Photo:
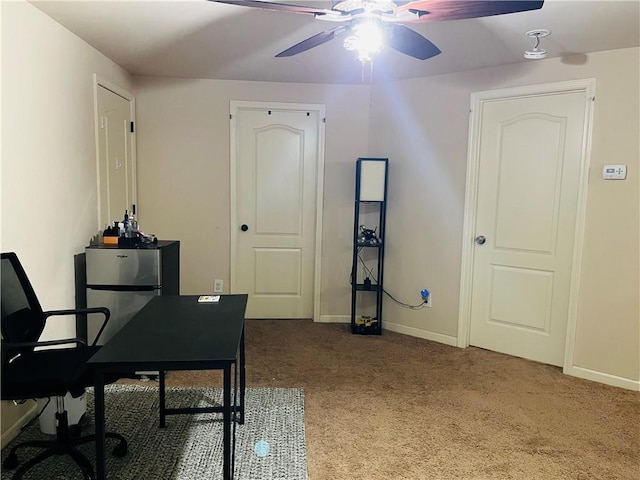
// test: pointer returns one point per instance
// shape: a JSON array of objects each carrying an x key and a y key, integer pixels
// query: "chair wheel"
[
  {"x": 120, "y": 450},
  {"x": 10, "y": 462},
  {"x": 88, "y": 475}
]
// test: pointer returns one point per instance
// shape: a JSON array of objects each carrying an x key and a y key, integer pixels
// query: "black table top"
[{"x": 173, "y": 332}]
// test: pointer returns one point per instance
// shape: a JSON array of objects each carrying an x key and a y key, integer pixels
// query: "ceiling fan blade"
[
  {"x": 411, "y": 43},
  {"x": 441, "y": 10},
  {"x": 311, "y": 42},
  {"x": 282, "y": 7}
]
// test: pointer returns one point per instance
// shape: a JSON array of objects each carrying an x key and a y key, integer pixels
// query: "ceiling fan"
[{"x": 370, "y": 24}]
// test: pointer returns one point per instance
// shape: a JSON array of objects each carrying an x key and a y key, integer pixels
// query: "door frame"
[
  {"x": 478, "y": 99},
  {"x": 234, "y": 107},
  {"x": 98, "y": 82}
]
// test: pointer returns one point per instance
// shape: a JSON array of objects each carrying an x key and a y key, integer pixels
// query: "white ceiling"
[{"x": 203, "y": 39}]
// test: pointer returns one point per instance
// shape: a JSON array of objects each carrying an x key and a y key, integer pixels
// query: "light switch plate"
[{"x": 614, "y": 172}]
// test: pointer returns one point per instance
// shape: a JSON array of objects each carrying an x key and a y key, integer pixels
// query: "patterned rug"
[{"x": 270, "y": 445}]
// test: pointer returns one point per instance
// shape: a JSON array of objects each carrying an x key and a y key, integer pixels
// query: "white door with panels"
[
  {"x": 530, "y": 160},
  {"x": 276, "y": 194},
  {"x": 116, "y": 162}
]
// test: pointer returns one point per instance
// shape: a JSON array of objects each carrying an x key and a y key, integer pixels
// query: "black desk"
[{"x": 178, "y": 333}]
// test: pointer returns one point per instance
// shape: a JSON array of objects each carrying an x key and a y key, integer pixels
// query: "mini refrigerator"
[{"x": 125, "y": 279}]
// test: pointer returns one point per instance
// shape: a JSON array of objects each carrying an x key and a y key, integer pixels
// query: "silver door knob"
[{"x": 480, "y": 239}]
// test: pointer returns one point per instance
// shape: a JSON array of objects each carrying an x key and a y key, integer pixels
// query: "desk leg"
[
  {"x": 243, "y": 379},
  {"x": 98, "y": 394},
  {"x": 227, "y": 473},
  {"x": 161, "y": 391}
]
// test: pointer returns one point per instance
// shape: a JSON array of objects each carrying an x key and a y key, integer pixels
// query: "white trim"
[
  {"x": 398, "y": 328},
  {"x": 419, "y": 333},
  {"x": 96, "y": 83},
  {"x": 602, "y": 377},
  {"x": 99, "y": 81},
  {"x": 317, "y": 281},
  {"x": 578, "y": 245},
  {"x": 477, "y": 101},
  {"x": 468, "y": 227},
  {"x": 334, "y": 319},
  {"x": 233, "y": 196},
  {"x": 236, "y": 105},
  {"x": 13, "y": 431}
]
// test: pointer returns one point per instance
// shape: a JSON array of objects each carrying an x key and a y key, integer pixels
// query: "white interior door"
[
  {"x": 531, "y": 151},
  {"x": 116, "y": 164},
  {"x": 276, "y": 156}
]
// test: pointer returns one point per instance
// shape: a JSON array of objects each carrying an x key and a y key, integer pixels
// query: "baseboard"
[
  {"x": 574, "y": 371},
  {"x": 335, "y": 319},
  {"x": 13, "y": 431},
  {"x": 419, "y": 333},
  {"x": 396, "y": 327},
  {"x": 605, "y": 378}
]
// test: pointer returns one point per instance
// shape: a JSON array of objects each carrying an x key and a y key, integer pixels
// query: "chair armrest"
[
  {"x": 7, "y": 346},
  {"x": 46, "y": 343},
  {"x": 103, "y": 310}
]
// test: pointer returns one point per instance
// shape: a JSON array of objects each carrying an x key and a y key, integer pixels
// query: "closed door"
[
  {"x": 277, "y": 154},
  {"x": 116, "y": 165},
  {"x": 530, "y": 160}
]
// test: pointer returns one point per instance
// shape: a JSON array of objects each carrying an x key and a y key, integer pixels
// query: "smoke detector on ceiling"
[{"x": 536, "y": 53}]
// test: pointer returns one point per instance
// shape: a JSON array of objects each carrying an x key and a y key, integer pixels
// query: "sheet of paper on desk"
[{"x": 208, "y": 298}]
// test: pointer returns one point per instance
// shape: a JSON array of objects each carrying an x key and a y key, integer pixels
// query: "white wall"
[
  {"x": 183, "y": 172},
  {"x": 422, "y": 125},
  {"x": 48, "y": 170}
]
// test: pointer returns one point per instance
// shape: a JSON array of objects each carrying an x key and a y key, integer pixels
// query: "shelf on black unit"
[
  {"x": 369, "y": 224},
  {"x": 378, "y": 245}
]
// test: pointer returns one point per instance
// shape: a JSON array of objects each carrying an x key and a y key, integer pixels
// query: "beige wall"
[
  {"x": 48, "y": 170},
  {"x": 183, "y": 172},
  {"x": 422, "y": 125}
]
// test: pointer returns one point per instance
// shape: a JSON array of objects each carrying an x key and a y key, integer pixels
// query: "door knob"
[
  {"x": 244, "y": 227},
  {"x": 480, "y": 239}
]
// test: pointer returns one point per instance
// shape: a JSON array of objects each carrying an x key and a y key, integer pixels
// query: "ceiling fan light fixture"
[
  {"x": 536, "y": 53},
  {"x": 366, "y": 5},
  {"x": 367, "y": 39},
  {"x": 368, "y": 24}
]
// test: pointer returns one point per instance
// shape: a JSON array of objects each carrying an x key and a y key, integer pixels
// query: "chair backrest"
[{"x": 21, "y": 314}]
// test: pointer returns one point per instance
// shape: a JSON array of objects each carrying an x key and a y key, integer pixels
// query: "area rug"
[{"x": 270, "y": 444}]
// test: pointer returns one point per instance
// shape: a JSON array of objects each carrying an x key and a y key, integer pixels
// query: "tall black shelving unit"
[{"x": 368, "y": 240}]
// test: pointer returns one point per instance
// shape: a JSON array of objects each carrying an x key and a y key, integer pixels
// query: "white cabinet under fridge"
[{"x": 125, "y": 279}]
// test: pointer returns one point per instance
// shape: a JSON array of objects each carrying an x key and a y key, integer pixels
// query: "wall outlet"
[
  {"x": 426, "y": 297},
  {"x": 218, "y": 285}
]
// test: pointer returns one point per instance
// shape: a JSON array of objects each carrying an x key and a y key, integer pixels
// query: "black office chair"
[{"x": 29, "y": 372}]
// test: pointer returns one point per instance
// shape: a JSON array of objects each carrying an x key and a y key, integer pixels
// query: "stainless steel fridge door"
[
  {"x": 124, "y": 267},
  {"x": 123, "y": 304}
]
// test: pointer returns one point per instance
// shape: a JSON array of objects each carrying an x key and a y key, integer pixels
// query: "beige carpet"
[{"x": 398, "y": 407}]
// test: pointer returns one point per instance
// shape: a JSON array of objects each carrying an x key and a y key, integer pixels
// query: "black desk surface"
[{"x": 173, "y": 332}]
